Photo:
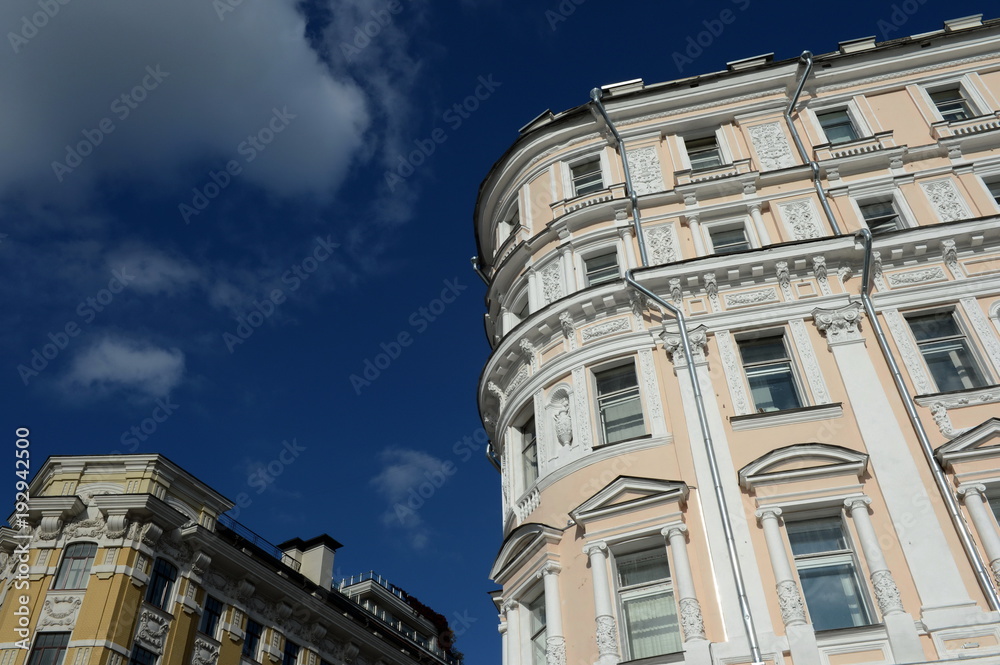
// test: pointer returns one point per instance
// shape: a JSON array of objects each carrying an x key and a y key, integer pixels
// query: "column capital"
[
  {"x": 840, "y": 325},
  {"x": 508, "y": 606},
  {"x": 668, "y": 531},
  {"x": 965, "y": 489},
  {"x": 691, "y": 217},
  {"x": 596, "y": 547},
  {"x": 625, "y": 231},
  {"x": 753, "y": 206},
  {"x": 855, "y": 502},
  {"x": 766, "y": 512},
  {"x": 674, "y": 345},
  {"x": 548, "y": 568},
  {"x": 502, "y": 628}
]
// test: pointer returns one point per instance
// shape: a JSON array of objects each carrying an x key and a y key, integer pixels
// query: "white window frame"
[
  {"x": 861, "y": 125},
  {"x": 720, "y": 139},
  {"x": 518, "y": 303},
  {"x": 633, "y": 546},
  {"x": 977, "y": 104},
  {"x": 534, "y": 595},
  {"x": 594, "y": 251},
  {"x": 987, "y": 178},
  {"x": 723, "y": 224},
  {"x": 517, "y": 441},
  {"x": 505, "y": 227},
  {"x": 569, "y": 190},
  {"x": 596, "y": 401},
  {"x": 887, "y": 191},
  {"x": 794, "y": 363},
  {"x": 972, "y": 343}
]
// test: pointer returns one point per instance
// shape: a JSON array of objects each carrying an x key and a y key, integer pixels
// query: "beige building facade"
[
  {"x": 743, "y": 391},
  {"x": 119, "y": 559}
]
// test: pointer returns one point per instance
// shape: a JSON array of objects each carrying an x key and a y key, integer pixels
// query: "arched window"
[{"x": 75, "y": 567}]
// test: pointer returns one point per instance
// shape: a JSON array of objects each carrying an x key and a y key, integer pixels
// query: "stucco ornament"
[
  {"x": 152, "y": 630},
  {"x": 691, "y": 619},
  {"x": 801, "y": 219},
  {"x": 552, "y": 288},
  {"x": 555, "y": 650},
  {"x": 841, "y": 324},
  {"x": 560, "y": 406},
  {"x": 790, "y": 601},
  {"x": 674, "y": 346},
  {"x": 60, "y": 611},
  {"x": 607, "y": 636},
  {"x": 886, "y": 592},
  {"x": 204, "y": 652},
  {"x": 771, "y": 146},
  {"x": 947, "y": 202},
  {"x": 644, "y": 166},
  {"x": 660, "y": 241}
]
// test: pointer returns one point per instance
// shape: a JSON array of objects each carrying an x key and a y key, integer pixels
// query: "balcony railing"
[
  {"x": 256, "y": 541},
  {"x": 377, "y": 579}
]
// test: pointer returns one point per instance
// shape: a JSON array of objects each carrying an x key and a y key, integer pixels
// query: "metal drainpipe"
[
  {"x": 727, "y": 527},
  {"x": 491, "y": 455},
  {"x": 925, "y": 445},
  {"x": 807, "y": 59},
  {"x": 475, "y": 266}
]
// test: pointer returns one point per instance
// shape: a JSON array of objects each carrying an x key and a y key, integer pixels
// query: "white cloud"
[
  {"x": 122, "y": 365},
  {"x": 407, "y": 480},
  {"x": 153, "y": 272}
]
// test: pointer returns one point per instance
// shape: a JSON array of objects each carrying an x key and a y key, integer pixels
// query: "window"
[
  {"x": 946, "y": 351},
  {"x": 619, "y": 404},
  {"x": 161, "y": 583},
  {"x": 828, "y": 573},
  {"x": 729, "y": 239},
  {"x": 536, "y": 629},
  {"x": 142, "y": 656},
  {"x": 838, "y": 126},
  {"x": 601, "y": 268},
  {"x": 647, "y": 601},
  {"x": 291, "y": 653},
  {"x": 49, "y": 649},
  {"x": 994, "y": 189},
  {"x": 994, "y": 502},
  {"x": 880, "y": 216},
  {"x": 587, "y": 177},
  {"x": 210, "y": 616},
  {"x": 703, "y": 152},
  {"x": 75, "y": 567},
  {"x": 951, "y": 103},
  {"x": 529, "y": 452},
  {"x": 769, "y": 373},
  {"x": 251, "y": 642}
]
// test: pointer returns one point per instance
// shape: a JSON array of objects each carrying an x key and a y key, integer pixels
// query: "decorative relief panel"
[
  {"x": 933, "y": 274},
  {"x": 152, "y": 631},
  {"x": 946, "y": 200},
  {"x": 748, "y": 298},
  {"x": 552, "y": 287},
  {"x": 605, "y": 328},
  {"x": 652, "y": 390},
  {"x": 810, "y": 365},
  {"x": 204, "y": 652},
  {"x": 661, "y": 243},
  {"x": 734, "y": 372},
  {"x": 582, "y": 410},
  {"x": 914, "y": 362},
  {"x": 983, "y": 330},
  {"x": 771, "y": 146},
  {"x": 60, "y": 610},
  {"x": 560, "y": 408},
  {"x": 644, "y": 167},
  {"x": 801, "y": 219}
]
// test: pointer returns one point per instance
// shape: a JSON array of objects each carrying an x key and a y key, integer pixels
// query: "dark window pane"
[
  {"x": 951, "y": 104},
  {"x": 252, "y": 639},
  {"x": 643, "y": 567},
  {"x": 142, "y": 656},
  {"x": 832, "y": 596},
  {"x": 838, "y": 126},
  {"x": 880, "y": 216},
  {"x": 814, "y": 536},
  {"x": 587, "y": 177},
  {"x": 603, "y": 268},
  {"x": 49, "y": 649},
  {"x": 703, "y": 153},
  {"x": 729, "y": 240},
  {"x": 210, "y": 616},
  {"x": 75, "y": 567},
  {"x": 762, "y": 350},
  {"x": 161, "y": 583}
]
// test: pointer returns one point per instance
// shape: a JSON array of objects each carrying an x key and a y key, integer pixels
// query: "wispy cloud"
[
  {"x": 407, "y": 479},
  {"x": 137, "y": 369}
]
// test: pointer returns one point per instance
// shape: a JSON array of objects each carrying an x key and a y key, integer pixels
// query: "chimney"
[{"x": 315, "y": 557}]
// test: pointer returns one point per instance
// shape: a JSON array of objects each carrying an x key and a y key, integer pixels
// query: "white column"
[
  {"x": 695, "y": 226},
  {"x": 982, "y": 518},
  {"x": 627, "y": 240},
  {"x": 607, "y": 631},
  {"x": 515, "y": 649},
  {"x": 801, "y": 635},
  {"x": 899, "y": 625},
  {"x": 533, "y": 299},
  {"x": 758, "y": 223},
  {"x": 680, "y": 568},
  {"x": 504, "y": 649},
  {"x": 569, "y": 269},
  {"x": 555, "y": 643}
]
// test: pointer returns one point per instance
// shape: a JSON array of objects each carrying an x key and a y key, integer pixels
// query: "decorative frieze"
[
  {"x": 932, "y": 274},
  {"x": 644, "y": 167},
  {"x": 771, "y": 146},
  {"x": 800, "y": 217},
  {"x": 946, "y": 200},
  {"x": 734, "y": 372},
  {"x": 661, "y": 243},
  {"x": 582, "y": 408},
  {"x": 839, "y": 325},
  {"x": 748, "y": 298},
  {"x": 552, "y": 286},
  {"x": 605, "y": 328},
  {"x": 520, "y": 377}
]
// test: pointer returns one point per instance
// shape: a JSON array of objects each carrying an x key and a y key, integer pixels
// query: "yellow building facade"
[{"x": 743, "y": 392}]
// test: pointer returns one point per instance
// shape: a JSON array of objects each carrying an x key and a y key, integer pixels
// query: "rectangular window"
[
  {"x": 729, "y": 239},
  {"x": 251, "y": 642},
  {"x": 647, "y": 600},
  {"x": 161, "y": 583},
  {"x": 828, "y": 572},
  {"x": 49, "y": 649},
  {"x": 703, "y": 153},
  {"x": 946, "y": 351},
  {"x": 587, "y": 177},
  {"x": 142, "y": 656},
  {"x": 769, "y": 373},
  {"x": 880, "y": 216},
  {"x": 994, "y": 188},
  {"x": 529, "y": 452},
  {"x": 600, "y": 269},
  {"x": 837, "y": 126},
  {"x": 536, "y": 629},
  {"x": 210, "y": 616},
  {"x": 995, "y": 506},
  {"x": 291, "y": 653},
  {"x": 619, "y": 404},
  {"x": 74, "y": 571},
  {"x": 951, "y": 103}
]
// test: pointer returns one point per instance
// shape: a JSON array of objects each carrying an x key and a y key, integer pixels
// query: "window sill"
[
  {"x": 958, "y": 398},
  {"x": 803, "y": 414},
  {"x": 859, "y": 146},
  {"x": 943, "y": 129}
]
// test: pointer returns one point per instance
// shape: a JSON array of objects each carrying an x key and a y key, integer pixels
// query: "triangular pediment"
[
  {"x": 626, "y": 493},
  {"x": 802, "y": 460},
  {"x": 980, "y": 442},
  {"x": 520, "y": 545}
]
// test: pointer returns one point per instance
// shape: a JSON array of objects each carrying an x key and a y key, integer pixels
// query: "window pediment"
[
  {"x": 801, "y": 461},
  {"x": 980, "y": 442},
  {"x": 626, "y": 493},
  {"x": 522, "y": 543}
]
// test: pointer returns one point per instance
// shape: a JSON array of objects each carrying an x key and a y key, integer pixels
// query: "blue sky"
[{"x": 215, "y": 213}]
